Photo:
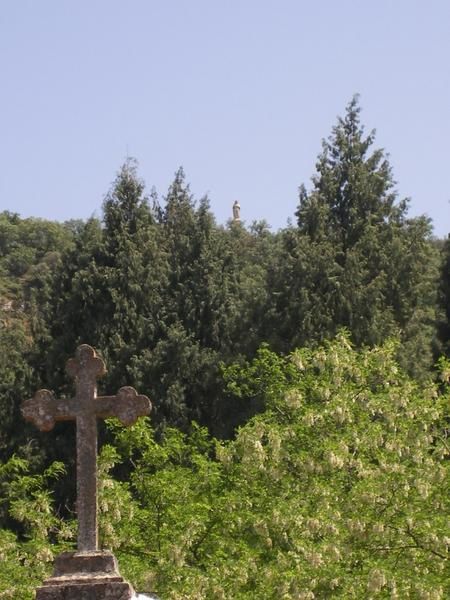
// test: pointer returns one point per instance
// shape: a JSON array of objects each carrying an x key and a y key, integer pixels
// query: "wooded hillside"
[{"x": 298, "y": 446}]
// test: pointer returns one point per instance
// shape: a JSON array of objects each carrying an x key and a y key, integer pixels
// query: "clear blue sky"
[{"x": 239, "y": 92}]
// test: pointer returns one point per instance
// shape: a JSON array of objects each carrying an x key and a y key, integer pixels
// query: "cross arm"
[
  {"x": 44, "y": 410},
  {"x": 127, "y": 406}
]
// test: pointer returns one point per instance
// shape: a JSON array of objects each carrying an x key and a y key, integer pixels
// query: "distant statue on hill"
[{"x": 236, "y": 211}]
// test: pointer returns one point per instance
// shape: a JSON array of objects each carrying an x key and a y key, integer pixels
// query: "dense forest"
[{"x": 298, "y": 444}]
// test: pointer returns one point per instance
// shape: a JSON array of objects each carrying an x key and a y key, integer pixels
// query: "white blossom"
[{"x": 376, "y": 581}]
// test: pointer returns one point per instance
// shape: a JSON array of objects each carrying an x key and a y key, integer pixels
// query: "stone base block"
[
  {"x": 86, "y": 591},
  {"x": 85, "y": 576}
]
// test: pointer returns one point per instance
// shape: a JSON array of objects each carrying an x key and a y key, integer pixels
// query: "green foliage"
[
  {"x": 339, "y": 488},
  {"x": 30, "y": 252},
  {"x": 26, "y": 500},
  {"x": 444, "y": 298},
  {"x": 16, "y": 381},
  {"x": 24, "y": 243},
  {"x": 356, "y": 455}
]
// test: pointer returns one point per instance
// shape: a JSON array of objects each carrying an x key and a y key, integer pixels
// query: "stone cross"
[{"x": 85, "y": 408}]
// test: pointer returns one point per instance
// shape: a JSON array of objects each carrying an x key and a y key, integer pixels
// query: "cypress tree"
[
  {"x": 355, "y": 259},
  {"x": 108, "y": 290}
]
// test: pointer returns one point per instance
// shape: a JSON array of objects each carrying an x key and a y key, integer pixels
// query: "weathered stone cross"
[{"x": 44, "y": 410}]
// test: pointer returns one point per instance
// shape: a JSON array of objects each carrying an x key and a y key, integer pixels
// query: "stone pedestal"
[{"x": 85, "y": 576}]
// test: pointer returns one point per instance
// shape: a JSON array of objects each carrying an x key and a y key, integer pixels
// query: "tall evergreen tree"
[
  {"x": 198, "y": 311},
  {"x": 355, "y": 260},
  {"x": 108, "y": 290}
]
